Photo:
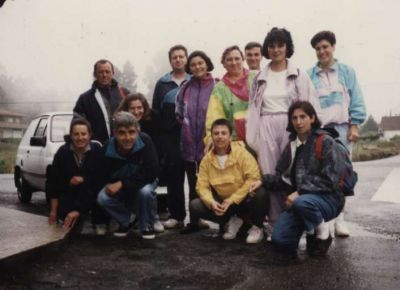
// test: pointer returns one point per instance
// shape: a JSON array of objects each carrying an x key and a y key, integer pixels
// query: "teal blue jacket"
[{"x": 347, "y": 78}]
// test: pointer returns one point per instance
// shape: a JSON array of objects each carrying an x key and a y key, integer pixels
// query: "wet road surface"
[{"x": 369, "y": 259}]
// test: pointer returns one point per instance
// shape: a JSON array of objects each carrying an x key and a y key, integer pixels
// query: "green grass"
[
  {"x": 372, "y": 150},
  {"x": 8, "y": 151}
]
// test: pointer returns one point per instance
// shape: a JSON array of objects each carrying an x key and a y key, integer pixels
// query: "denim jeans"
[
  {"x": 306, "y": 213},
  {"x": 343, "y": 130},
  {"x": 144, "y": 204}
]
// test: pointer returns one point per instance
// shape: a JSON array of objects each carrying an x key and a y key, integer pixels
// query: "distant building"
[
  {"x": 390, "y": 126},
  {"x": 11, "y": 124}
]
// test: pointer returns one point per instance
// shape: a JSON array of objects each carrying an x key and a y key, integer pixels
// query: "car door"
[{"x": 34, "y": 168}]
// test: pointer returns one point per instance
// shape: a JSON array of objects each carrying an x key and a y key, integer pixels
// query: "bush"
[
  {"x": 3, "y": 167},
  {"x": 395, "y": 138}
]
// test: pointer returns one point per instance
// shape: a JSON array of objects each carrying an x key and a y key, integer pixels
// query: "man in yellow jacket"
[{"x": 223, "y": 186}]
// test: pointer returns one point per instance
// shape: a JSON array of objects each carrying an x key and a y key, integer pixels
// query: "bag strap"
[{"x": 318, "y": 146}]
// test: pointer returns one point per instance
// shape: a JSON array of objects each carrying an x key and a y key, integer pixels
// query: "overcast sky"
[{"x": 54, "y": 43}]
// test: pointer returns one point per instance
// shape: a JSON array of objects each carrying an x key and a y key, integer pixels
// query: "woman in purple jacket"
[{"x": 191, "y": 108}]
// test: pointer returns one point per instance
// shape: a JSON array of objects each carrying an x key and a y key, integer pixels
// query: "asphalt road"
[{"x": 369, "y": 259}]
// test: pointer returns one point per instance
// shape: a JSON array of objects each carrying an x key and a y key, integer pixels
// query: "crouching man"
[
  {"x": 223, "y": 184},
  {"x": 130, "y": 170}
]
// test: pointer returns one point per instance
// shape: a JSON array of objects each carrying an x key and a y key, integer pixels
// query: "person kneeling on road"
[
  {"x": 223, "y": 184},
  {"x": 311, "y": 184},
  {"x": 130, "y": 170},
  {"x": 71, "y": 181}
]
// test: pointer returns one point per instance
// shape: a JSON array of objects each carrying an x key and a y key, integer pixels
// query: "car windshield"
[{"x": 60, "y": 127}]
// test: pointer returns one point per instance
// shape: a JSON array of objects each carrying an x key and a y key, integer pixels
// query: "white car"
[{"x": 45, "y": 134}]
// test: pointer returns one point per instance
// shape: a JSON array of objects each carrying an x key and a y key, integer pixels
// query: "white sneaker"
[
  {"x": 158, "y": 227},
  {"x": 203, "y": 224},
  {"x": 172, "y": 224},
  {"x": 341, "y": 229},
  {"x": 100, "y": 229},
  {"x": 255, "y": 235},
  {"x": 233, "y": 227},
  {"x": 268, "y": 229}
]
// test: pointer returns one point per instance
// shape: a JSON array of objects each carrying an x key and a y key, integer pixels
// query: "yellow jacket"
[{"x": 233, "y": 181}]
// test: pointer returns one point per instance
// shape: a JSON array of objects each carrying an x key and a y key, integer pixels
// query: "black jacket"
[
  {"x": 136, "y": 170},
  {"x": 81, "y": 197},
  {"x": 87, "y": 107}
]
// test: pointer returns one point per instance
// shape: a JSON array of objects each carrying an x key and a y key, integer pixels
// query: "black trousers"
[
  {"x": 256, "y": 207},
  {"x": 67, "y": 204},
  {"x": 191, "y": 169},
  {"x": 175, "y": 177}
]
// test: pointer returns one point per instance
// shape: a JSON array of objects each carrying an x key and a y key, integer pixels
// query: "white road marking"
[{"x": 389, "y": 189}]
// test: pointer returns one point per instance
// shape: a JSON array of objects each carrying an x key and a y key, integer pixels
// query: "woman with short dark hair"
[
  {"x": 191, "y": 108},
  {"x": 276, "y": 87},
  {"x": 310, "y": 183},
  {"x": 340, "y": 96},
  {"x": 72, "y": 179}
]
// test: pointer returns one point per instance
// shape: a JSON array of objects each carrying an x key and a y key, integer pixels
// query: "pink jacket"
[{"x": 299, "y": 86}]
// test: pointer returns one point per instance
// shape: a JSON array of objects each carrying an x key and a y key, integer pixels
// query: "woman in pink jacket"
[{"x": 275, "y": 88}]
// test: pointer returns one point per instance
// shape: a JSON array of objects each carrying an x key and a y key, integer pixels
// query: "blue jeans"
[
  {"x": 144, "y": 203},
  {"x": 307, "y": 212},
  {"x": 343, "y": 130}
]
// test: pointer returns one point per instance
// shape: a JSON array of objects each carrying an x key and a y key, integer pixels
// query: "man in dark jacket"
[
  {"x": 100, "y": 102},
  {"x": 130, "y": 169},
  {"x": 164, "y": 103}
]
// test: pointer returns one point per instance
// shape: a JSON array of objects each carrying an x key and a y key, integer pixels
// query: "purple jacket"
[{"x": 191, "y": 109}]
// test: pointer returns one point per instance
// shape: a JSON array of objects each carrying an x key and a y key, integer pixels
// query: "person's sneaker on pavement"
[
  {"x": 173, "y": 224},
  {"x": 122, "y": 231},
  {"x": 158, "y": 227},
  {"x": 319, "y": 247},
  {"x": 233, "y": 227},
  {"x": 268, "y": 229},
  {"x": 255, "y": 235},
  {"x": 341, "y": 229},
  {"x": 100, "y": 229},
  {"x": 148, "y": 234},
  {"x": 203, "y": 224}
]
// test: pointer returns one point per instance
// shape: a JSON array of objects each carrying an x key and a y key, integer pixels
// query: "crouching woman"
[
  {"x": 310, "y": 182},
  {"x": 71, "y": 181}
]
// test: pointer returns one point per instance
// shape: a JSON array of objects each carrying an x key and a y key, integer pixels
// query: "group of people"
[{"x": 246, "y": 143}]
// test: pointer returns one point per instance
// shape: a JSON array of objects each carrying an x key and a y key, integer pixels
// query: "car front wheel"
[{"x": 24, "y": 191}]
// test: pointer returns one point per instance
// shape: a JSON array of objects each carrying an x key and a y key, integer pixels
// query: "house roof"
[
  {"x": 10, "y": 114},
  {"x": 390, "y": 123}
]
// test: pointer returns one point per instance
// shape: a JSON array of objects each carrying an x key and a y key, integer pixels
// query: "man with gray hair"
[{"x": 130, "y": 170}]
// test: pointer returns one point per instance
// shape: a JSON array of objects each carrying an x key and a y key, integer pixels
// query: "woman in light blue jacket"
[{"x": 340, "y": 97}]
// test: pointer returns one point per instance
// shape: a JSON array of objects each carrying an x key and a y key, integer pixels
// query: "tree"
[
  {"x": 370, "y": 126},
  {"x": 127, "y": 77}
]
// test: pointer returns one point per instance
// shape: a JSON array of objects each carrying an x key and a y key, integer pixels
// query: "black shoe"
[
  {"x": 122, "y": 231},
  {"x": 189, "y": 229},
  {"x": 321, "y": 247},
  {"x": 310, "y": 243},
  {"x": 148, "y": 234}
]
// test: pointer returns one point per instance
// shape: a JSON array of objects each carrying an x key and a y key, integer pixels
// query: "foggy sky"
[{"x": 54, "y": 43}]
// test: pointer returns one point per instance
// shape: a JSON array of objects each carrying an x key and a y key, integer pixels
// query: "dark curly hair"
[
  {"x": 308, "y": 109},
  {"x": 204, "y": 56},
  {"x": 323, "y": 35},
  {"x": 124, "y": 106},
  {"x": 279, "y": 35}
]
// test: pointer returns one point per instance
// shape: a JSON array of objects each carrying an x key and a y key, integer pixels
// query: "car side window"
[{"x": 41, "y": 128}]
